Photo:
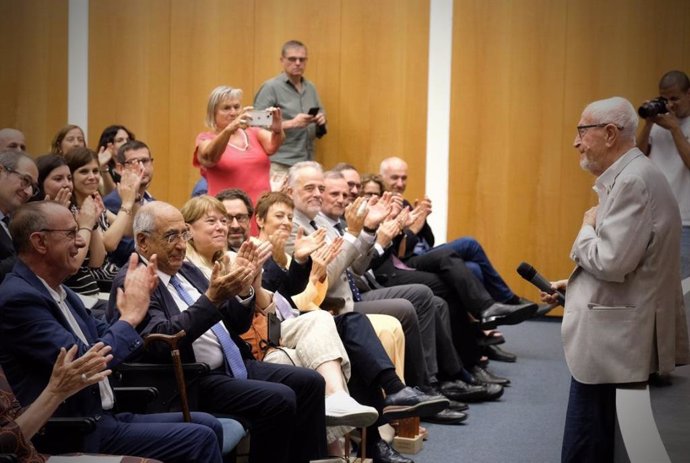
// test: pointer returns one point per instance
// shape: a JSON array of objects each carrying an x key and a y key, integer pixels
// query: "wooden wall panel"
[
  {"x": 33, "y": 81},
  {"x": 129, "y": 77},
  {"x": 212, "y": 43},
  {"x": 384, "y": 73},
  {"x": 522, "y": 73}
]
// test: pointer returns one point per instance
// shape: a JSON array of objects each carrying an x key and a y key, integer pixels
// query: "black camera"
[{"x": 653, "y": 108}]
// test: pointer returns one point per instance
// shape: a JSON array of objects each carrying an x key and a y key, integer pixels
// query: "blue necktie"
[{"x": 233, "y": 356}]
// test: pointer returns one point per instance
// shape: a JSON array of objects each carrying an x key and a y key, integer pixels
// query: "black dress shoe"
[
  {"x": 458, "y": 406},
  {"x": 446, "y": 416},
  {"x": 463, "y": 392},
  {"x": 384, "y": 453},
  {"x": 412, "y": 402},
  {"x": 496, "y": 353},
  {"x": 507, "y": 314},
  {"x": 483, "y": 376}
]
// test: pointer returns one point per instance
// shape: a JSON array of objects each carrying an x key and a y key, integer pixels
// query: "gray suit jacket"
[
  {"x": 624, "y": 316},
  {"x": 357, "y": 254}
]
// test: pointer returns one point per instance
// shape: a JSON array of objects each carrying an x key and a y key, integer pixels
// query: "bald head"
[
  {"x": 12, "y": 139},
  {"x": 393, "y": 170}
]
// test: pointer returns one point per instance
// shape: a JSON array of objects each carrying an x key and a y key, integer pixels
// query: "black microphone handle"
[{"x": 539, "y": 281}]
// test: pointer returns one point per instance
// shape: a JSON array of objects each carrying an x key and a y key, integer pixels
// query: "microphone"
[{"x": 530, "y": 274}]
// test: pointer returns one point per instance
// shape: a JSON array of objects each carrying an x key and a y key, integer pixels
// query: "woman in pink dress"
[{"x": 235, "y": 153}]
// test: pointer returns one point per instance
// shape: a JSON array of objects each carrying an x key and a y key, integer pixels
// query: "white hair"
[
  {"x": 293, "y": 173},
  {"x": 615, "y": 110}
]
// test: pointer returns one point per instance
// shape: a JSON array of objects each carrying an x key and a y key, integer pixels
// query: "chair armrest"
[
  {"x": 162, "y": 378},
  {"x": 64, "y": 434},
  {"x": 134, "y": 399},
  {"x": 80, "y": 424},
  {"x": 193, "y": 369}
]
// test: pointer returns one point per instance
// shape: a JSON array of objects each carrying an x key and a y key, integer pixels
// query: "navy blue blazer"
[
  {"x": 33, "y": 329},
  {"x": 165, "y": 317}
]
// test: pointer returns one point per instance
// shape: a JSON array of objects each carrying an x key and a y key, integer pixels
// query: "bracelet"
[
  {"x": 126, "y": 210},
  {"x": 84, "y": 228},
  {"x": 370, "y": 230}
]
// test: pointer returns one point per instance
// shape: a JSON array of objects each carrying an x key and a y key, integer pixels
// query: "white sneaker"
[{"x": 341, "y": 409}]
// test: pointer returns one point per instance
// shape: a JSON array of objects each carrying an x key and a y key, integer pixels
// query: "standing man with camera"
[
  {"x": 303, "y": 116},
  {"x": 665, "y": 138}
]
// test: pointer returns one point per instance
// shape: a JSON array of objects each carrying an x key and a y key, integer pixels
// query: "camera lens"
[{"x": 653, "y": 108}]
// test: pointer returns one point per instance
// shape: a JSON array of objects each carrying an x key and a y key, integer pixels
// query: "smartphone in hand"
[
  {"x": 260, "y": 118},
  {"x": 313, "y": 111}
]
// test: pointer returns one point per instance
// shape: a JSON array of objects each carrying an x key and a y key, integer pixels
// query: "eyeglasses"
[
  {"x": 354, "y": 185},
  {"x": 70, "y": 233},
  {"x": 294, "y": 59},
  {"x": 241, "y": 218},
  {"x": 173, "y": 237},
  {"x": 581, "y": 129},
  {"x": 25, "y": 181},
  {"x": 143, "y": 161}
]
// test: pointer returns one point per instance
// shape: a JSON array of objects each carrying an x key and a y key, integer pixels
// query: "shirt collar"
[
  {"x": 328, "y": 219},
  {"x": 604, "y": 183},
  {"x": 163, "y": 278},
  {"x": 58, "y": 296}
]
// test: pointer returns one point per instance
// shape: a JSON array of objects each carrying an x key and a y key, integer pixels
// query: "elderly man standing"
[
  {"x": 283, "y": 405},
  {"x": 624, "y": 316},
  {"x": 303, "y": 115}
]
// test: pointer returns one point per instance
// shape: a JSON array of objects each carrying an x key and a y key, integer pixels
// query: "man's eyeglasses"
[
  {"x": 241, "y": 218},
  {"x": 70, "y": 233},
  {"x": 143, "y": 161},
  {"x": 25, "y": 181},
  {"x": 294, "y": 59},
  {"x": 581, "y": 129},
  {"x": 173, "y": 237}
]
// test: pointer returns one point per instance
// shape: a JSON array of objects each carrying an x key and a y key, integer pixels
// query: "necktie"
[
  {"x": 313, "y": 224},
  {"x": 6, "y": 221},
  {"x": 283, "y": 306},
  {"x": 233, "y": 356},
  {"x": 400, "y": 265},
  {"x": 356, "y": 295}
]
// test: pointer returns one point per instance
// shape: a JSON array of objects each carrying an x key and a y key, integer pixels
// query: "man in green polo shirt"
[{"x": 303, "y": 116}]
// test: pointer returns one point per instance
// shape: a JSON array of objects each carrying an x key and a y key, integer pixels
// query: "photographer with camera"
[{"x": 665, "y": 139}]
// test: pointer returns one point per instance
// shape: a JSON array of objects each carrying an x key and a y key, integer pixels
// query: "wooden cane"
[{"x": 171, "y": 340}]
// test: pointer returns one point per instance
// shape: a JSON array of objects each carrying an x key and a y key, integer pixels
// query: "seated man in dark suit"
[
  {"x": 283, "y": 405},
  {"x": 131, "y": 155},
  {"x": 39, "y": 316},
  {"x": 18, "y": 177}
]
